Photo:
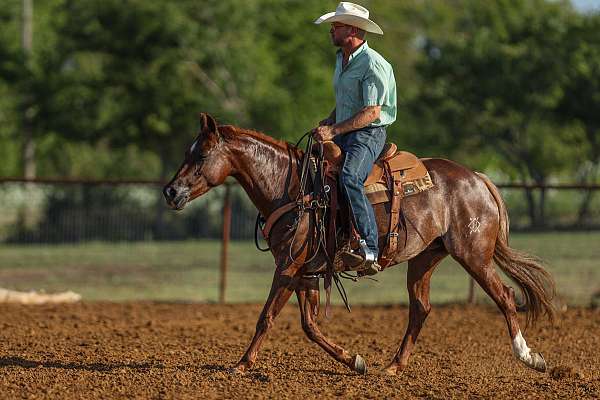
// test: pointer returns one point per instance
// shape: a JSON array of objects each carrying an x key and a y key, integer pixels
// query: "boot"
[{"x": 364, "y": 260}]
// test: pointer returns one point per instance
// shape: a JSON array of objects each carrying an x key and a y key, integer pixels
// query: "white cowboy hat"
[{"x": 351, "y": 14}]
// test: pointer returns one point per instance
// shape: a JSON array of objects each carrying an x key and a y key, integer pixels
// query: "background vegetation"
[{"x": 111, "y": 89}]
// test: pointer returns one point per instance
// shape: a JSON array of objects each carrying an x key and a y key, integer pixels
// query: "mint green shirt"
[{"x": 366, "y": 80}]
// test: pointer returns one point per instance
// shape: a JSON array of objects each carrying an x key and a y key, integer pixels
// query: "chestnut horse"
[{"x": 462, "y": 215}]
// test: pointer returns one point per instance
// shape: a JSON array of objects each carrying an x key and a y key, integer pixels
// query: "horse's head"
[{"x": 205, "y": 166}]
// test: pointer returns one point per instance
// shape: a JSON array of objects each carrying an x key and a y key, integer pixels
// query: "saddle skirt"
[
  {"x": 395, "y": 175},
  {"x": 404, "y": 168},
  {"x": 391, "y": 166}
]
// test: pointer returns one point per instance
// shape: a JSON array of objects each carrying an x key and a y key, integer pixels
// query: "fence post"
[
  {"x": 225, "y": 242},
  {"x": 471, "y": 297}
]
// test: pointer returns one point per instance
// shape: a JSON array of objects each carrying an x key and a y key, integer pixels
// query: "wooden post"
[
  {"x": 471, "y": 298},
  {"x": 225, "y": 242},
  {"x": 28, "y": 143}
]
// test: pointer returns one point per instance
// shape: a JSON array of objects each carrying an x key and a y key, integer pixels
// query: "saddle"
[{"x": 395, "y": 175}]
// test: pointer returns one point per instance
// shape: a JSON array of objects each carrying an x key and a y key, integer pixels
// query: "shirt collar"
[{"x": 363, "y": 48}]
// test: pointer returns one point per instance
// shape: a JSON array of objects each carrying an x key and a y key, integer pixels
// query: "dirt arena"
[{"x": 155, "y": 351}]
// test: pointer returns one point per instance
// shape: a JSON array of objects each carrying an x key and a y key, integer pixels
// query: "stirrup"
[
  {"x": 370, "y": 266},
  {"x": 368, "y": 255},
  {"x": 365, "y": 261}
]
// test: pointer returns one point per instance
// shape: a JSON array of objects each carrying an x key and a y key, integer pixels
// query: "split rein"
[
  {"x": 260, "y": 220},
  {"x": 317, "y": 202}
]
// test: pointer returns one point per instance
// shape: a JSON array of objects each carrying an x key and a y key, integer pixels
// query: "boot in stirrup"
[{"x": 364, "y": 260}]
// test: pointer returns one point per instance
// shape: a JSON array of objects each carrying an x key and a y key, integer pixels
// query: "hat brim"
[{"x": 359, "y": 22}]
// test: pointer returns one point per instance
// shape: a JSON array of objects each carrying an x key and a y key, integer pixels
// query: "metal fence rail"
[
  {"x": 59, "y": 211},
  {"x": 62, "y": 211},
  {"x": 75, "y": 210}
]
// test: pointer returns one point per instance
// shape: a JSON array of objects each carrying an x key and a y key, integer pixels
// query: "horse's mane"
[{"x": 261, "y": 137}]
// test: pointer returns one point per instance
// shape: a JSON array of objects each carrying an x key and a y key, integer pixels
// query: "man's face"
[{"x": 340, "y": 33}]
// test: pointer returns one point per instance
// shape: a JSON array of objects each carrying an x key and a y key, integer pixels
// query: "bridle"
[{"x": 320, "y": 201}]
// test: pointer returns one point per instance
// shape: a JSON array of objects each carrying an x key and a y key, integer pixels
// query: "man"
[{"x": 365, "y": 104}]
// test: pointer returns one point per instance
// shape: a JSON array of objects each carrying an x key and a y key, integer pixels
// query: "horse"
[{"x": 463, "y": 215}]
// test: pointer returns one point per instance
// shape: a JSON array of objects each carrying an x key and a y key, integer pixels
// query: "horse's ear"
[{"x": 208, "y": 124}]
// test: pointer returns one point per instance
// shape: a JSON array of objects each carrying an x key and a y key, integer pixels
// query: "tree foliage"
[
  {"x": 496, "y": 81},
  {"x": 114, "y": 88}
]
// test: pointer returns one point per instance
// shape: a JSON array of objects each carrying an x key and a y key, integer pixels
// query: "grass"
[{"x": 189, "y": 271}]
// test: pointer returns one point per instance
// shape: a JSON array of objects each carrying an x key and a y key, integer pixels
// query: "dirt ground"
[{"x": 157, "y": 350}]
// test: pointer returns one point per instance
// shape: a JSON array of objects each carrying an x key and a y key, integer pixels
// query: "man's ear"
[{"x": 208, "y": 124}]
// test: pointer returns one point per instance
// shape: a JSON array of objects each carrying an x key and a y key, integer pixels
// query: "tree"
[
  {"x": 581, "y": 99},
  {"x": 495, "y": 81},
  {"x": 32, "y": 81},
  {"x": 12, "y": 63},
  {"x": 9, "y": 61},
  {"x": 303, "y": 59}
]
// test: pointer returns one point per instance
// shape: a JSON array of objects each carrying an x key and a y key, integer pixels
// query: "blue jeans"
[{"x": 361, "y": 147}]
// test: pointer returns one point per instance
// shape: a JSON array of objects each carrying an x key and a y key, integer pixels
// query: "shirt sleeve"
[{"x": 375, "y": 86}]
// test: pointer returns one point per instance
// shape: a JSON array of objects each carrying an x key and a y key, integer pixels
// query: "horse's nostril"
[{"x": 170, "y": 192}]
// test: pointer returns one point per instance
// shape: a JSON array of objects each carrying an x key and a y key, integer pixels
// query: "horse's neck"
[{"x": 266, "y": 171}]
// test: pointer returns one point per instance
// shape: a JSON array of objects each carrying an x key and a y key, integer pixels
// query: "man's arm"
[{"x": 361, "y": 119}]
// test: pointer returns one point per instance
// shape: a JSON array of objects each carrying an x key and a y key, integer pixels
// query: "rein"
[
  {"x": 260, "y": 223},
  {"x": 322, "y": 199},
  {"x": 302, "y": 201}
]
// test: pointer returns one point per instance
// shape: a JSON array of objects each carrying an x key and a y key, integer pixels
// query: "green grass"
[{"x": 189, "y": 271}]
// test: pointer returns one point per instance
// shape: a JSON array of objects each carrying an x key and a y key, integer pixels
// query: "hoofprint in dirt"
[{"x": 157, "y": 350}]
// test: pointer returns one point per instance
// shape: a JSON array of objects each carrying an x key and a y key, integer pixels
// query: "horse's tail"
[{"x": 536, "y": 284}]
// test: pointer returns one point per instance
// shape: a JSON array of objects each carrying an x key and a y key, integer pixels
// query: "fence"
[
  {"x": 59, "y": 211},
  {"x": 66, "y": 211},
  {"x": 82, "y": 211}
]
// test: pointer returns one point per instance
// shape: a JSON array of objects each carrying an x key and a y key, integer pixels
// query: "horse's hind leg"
[
  {"x": 308, "y": 301},
  {"x": 418, "y": 275},
  {"x": 482, "y": 269}
]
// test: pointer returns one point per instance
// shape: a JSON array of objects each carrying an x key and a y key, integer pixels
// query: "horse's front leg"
[
  {"x": 290, "y": 256},
  {"x": 308, "y": 301},
  {"x": 281, "y": 289}
]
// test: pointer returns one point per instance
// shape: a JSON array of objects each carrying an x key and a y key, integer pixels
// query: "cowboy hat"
[{"x": 351, "y": 14}]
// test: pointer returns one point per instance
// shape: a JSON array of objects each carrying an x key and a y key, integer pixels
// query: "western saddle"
[{"x": 395, "y": 175}]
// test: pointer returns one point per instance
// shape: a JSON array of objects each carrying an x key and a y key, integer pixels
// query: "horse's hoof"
[
  {"x": 537, "y": 362},
  {"x": 391, "y": 370},
  {"x": 238, "y": 370},
  {"x": 360, "y": 365}
]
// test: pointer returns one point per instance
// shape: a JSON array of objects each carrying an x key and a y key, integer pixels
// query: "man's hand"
[{"x": 323, "y": 133}]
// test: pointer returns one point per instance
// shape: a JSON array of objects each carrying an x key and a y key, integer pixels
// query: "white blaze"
[{"x": 520, "y": 348}]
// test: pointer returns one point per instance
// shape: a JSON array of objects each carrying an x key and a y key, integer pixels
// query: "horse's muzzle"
[{"x": 176, "y": 198}]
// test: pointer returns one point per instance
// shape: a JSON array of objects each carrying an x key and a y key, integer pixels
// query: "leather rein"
[
  {"x": 321, "y": 200},
  {"x": 316, "y": 201}
]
